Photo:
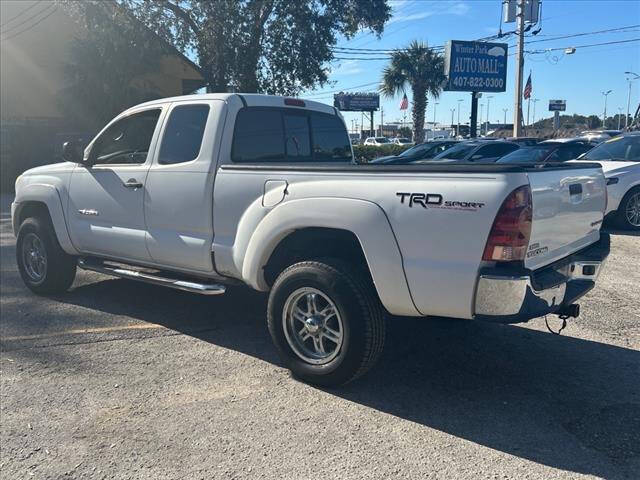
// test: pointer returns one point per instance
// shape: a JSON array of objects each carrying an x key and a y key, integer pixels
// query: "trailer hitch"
[{"x": 565, "y": 312}]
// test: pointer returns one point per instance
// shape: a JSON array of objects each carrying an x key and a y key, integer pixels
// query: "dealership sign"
[
  {"x": 475, "y": 66},
  {"x": 557, "y": 105},
  {"x": 356, "y": 102}
]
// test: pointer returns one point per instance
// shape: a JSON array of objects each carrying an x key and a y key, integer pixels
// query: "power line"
[
  {"x": 583, "y": 34},
  {"x": 32, "y": 25},
  {"x": 28, "y": 19},
  {"x": 341, "y": 89},
  {"x": 582, "y": 46},
  {"x": 20, "y": 13}
]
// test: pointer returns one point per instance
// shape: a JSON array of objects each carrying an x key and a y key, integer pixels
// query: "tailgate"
[{"x": 568, "y": 208}]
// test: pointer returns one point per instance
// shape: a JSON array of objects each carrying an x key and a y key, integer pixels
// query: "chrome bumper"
[{"x": 517, "y": 298}]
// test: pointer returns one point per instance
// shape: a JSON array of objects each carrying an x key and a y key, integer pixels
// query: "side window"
[
  {"x": 127, "y": 141},
  {"x": 297, "y": 139},
  {"x": 183, "y": 134},
  {"x": 258, "y": 136},
  {"x": 330, "y": 139}
]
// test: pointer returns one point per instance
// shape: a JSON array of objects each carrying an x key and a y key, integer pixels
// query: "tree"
[
  {"x": 108, "y": 67},
  {"x": 270, "y": 46},
  {"x": 420, "y": 68}
]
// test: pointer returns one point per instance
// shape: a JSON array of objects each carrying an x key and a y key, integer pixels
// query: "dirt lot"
[{"x": 123, "y": 380}]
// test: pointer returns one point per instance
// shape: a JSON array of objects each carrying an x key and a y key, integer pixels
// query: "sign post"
[
  {"x": 475, "y": 67},
  {"x": 557, "y": 106}
]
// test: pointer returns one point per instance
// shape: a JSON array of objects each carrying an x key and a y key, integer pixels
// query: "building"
[{"x": 35, "y": 40}]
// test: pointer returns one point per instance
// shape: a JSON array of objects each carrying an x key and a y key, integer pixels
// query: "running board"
[{"x": 155, "y": 279}]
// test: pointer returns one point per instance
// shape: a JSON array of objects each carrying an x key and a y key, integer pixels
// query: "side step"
[{"x": 155, "y": 279}]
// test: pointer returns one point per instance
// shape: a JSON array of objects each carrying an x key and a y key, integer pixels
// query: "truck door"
[
  {"x": 179, "y": 192},
  {"x": 106, "y": 214}
]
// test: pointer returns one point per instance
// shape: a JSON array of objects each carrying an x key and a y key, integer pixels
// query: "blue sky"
[{"x": 577, "y": 78}]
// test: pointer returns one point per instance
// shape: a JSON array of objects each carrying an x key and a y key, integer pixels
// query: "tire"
[
  {"x": 37, "y": 240},
  {"x": 358, "y": 321},
  {"x": 624, "y": 215}
]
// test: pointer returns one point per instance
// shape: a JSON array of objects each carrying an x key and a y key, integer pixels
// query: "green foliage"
[
  {"x": 417, "y": 67},
  {"x": 366, "y": 153},
  {"x": 267, "y": 46},
  {"x": 107, "y": 68}
]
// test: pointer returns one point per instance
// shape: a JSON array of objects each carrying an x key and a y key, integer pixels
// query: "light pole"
[
  {"x": 619, "y": 116},
  {"x": 458, "y": 130},
  {"x": 480, "y": 122},
  {"x": 604, "y": 114},
  {"x": 435, "y": 104},
  {"x": 505, "y": 110},
  {"x": 486, "y": 126},
  {"x": 630, "y": 80},
  {"x": 453, "y": 110},
  {"x": 535, "y": 100}
]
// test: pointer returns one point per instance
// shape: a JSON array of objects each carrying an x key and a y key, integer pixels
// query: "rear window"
[{"x": 276, "y": 135}]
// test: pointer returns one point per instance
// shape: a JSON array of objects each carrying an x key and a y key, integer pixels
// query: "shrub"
[{"x": 366, "y": 153}]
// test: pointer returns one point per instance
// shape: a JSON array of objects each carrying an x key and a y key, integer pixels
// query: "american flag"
[
  {"x": 528, "y": 88},
  {"x": 404, "y": 104}
]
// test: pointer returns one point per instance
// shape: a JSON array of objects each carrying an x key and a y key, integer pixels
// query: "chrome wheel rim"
[
  {"x": 633, "y": 210},
  {"x": 34, "y": 257},
  {"x": 313, "y": 326}
]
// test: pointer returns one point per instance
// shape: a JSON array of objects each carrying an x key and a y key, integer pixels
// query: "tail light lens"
[{"x": 511, "y": 230}]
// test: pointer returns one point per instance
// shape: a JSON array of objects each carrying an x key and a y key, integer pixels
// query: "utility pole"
[
  {"x": 435, "y": 104},
  {"x": 517, "y": 114},
  {"x": 630, "y": 80},
  {"x": 453, "y": 110},
  {"x": 535, "y": 100},
  {"x": 604, "y": 114},
  {"x": 473, "y": 128},
  {"x": 381, "y": 122},
  {"x": 480, "y": 120},
  {"x": 505, "y": 110}
]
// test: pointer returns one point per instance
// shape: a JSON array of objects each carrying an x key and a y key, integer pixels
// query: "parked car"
[
  {"x": 598, "y": 136},
  {"x": 475, "y": 151},
  {"x": 620, "y": 160},
  {"x": 401, "y": 141},
  {"x": 547, "y": 152},
  {"x": 377, "y": 141},
  {"x": 419, "y": 152},
  {"x": 523, "y": 141},
  {"x": 204, "y": 191}
]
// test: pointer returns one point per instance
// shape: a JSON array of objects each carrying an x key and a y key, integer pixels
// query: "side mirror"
[{"x": 71, "y": 152}]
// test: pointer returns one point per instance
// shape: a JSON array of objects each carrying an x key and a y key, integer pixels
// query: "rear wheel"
[
  {"x": 326, "y": 322},
  {"x": 629, "y": 210},
  {"x": 43, "y": 265}
]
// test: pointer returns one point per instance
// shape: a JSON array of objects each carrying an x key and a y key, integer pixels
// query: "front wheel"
[
  {"x": 629, "y": 210},
  {"x": 326, "y": 322},
  {"x": 43, "y": 265}
]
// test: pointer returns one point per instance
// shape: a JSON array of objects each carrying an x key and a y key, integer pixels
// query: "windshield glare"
[
  {"x": 458, "y": 152},
  {"x": 415, "y": 150},
  {"x": 527, "y": 155},
  {"x": 624, "y": 149}
]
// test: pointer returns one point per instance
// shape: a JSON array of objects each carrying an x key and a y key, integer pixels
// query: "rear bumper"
[{"x": 513, "y": 296}]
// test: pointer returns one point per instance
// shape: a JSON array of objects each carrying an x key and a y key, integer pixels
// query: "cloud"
[
  {"x": 348, "y": 67},
  {"x": 445, "y": 8}
]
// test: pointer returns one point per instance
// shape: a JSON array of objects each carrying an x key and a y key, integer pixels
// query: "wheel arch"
[
  {"x": 359, "y": 227},
  {"x": 43, "y": 200}
]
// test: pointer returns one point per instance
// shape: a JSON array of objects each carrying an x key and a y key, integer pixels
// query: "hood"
[{"x": 51, "y": 168}]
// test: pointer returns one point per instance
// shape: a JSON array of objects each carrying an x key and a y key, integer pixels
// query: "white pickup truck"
[{"x": 202, "y": 192}]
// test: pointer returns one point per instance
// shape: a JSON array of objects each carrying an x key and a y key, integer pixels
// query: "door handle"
[{"x": 132, "y": 183}]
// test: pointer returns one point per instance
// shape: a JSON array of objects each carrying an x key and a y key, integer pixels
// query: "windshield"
[
  {"x": 528, "y": 154},
  {"x": 418, "y": 149},
  {"x": 382, "y": 140},
  {"x": 622, "y": 149},
  {"x": 459, "y": 152}
]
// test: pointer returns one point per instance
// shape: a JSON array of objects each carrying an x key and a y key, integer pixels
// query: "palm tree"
[{"x": 422, "y": 69}]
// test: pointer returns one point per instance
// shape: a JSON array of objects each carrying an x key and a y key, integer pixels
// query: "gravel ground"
[{"x": 123, "y": 380}]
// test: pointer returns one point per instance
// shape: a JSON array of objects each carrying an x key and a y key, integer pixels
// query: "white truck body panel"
[{"x": 423, "y": 259}]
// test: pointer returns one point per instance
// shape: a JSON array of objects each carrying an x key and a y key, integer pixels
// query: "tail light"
[{"x": 511, "y": 230}]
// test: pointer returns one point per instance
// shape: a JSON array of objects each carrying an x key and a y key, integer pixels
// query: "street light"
[
  {"x": 486, "y": 127},
  {"x": 604, "y": 114},
  {"x": 630, "y": 80},
  {"x": 535, "y": 100},
  {"x": 434, "y": 115},
  {"x": 505, "y": 110},
  {"x": 458, "y": 130},
  {"x": 453, "y": 110}
]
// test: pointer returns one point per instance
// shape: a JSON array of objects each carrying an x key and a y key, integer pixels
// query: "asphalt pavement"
[{"x": 122, "y": 380}]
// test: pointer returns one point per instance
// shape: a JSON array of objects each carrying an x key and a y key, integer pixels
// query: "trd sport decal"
[{"x": 435, "y": 200}]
